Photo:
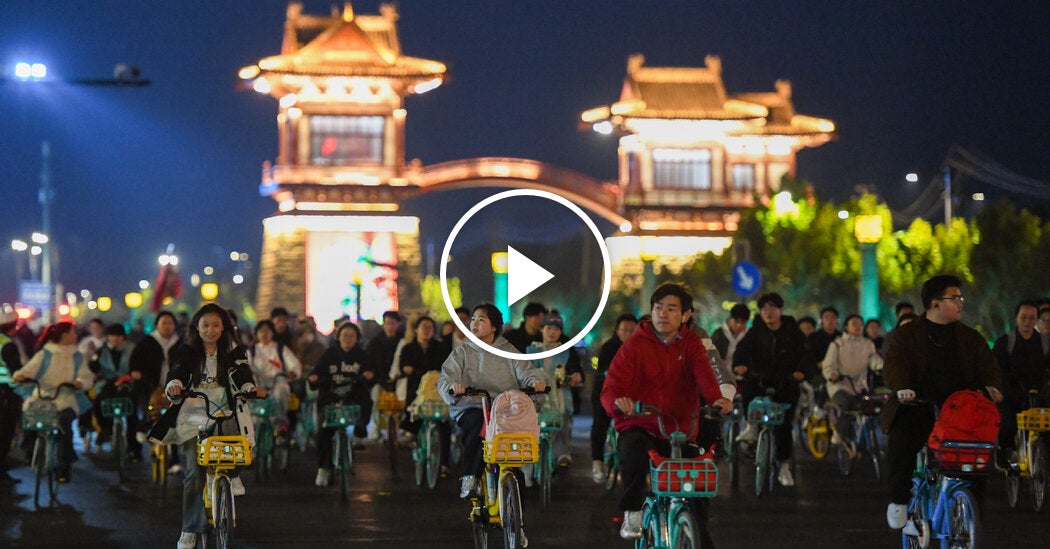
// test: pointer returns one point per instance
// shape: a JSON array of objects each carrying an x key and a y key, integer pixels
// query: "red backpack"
[{"x": 966, "y": 416}]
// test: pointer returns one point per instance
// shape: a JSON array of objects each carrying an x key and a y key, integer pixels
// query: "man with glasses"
[{"x": 929, "y": 359}]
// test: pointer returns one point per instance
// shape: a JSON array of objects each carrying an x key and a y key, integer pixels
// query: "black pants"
[
  {"x": 471, "y": 422},
  {"x": 907, "y": 435},
  {"x": 634, "y": 445},
  {"x": 600, "y": 426},
  {"x": 106, "y": 423},
  {"x": 325, "y": 434}
]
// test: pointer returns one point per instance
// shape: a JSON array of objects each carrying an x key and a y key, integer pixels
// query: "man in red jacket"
[{"x": 663, "y": 364}]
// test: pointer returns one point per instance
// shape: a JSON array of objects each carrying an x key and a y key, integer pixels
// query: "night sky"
[{"x": 179, "y": 161}]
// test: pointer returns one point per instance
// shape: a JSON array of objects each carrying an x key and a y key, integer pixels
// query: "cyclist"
[
  {"x": 61, "y": 362},
  {"x": 846, "y": 366},
  {"x": 929, "y": 359},
  {"x": 471, "y": 365},
  {"x": 772, "y": 352},
  {"x": 341, "y": 375},
  {"x": 269, "y": 357},
  {"x": 562, "y": 372},
  {"x": 423, "y": 354},
  {"x": 150, "y": 361},
  {"x": 665, "y": 364},
  {"x": 1022, "y": 357},
  {"x": 625, "y": 325},
  {"x": 729, "y": 334},
  {"x": 112, "y": 364},
  {"x": 212, "y": 363}
]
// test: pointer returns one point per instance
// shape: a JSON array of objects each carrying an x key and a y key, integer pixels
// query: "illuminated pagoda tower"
[
  {"x": 691, "y": 156},
  {"x": 337, "y": 244}
]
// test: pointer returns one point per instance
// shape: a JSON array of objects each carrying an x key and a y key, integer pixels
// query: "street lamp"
[
  {"x": 648, "y": 256},
  {"x": 499, "y": 279},
  {"x": 868, "y": 230}
]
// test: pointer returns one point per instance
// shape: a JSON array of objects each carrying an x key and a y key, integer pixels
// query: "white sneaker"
[
  {"x": 784, "y": 477},
  {"x": 747, "y": 435},
  {"x": 632, "y": 525},
  {"x": 835, "y": 438},
  {"x": 236, "y": 487},
  {"x": 322, "y": 477},
  {"x": 141, "y": 437},
  {"x": 175, "y": 469},
  {"x": 187, "y": 541},
  {"x": 467, "y": 485},
  {"x": 598, "y": 471},
  {"x": 896, "y": 515}
]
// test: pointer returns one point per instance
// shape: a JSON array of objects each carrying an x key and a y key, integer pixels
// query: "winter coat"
[
  {"x": 671, "y": 376},
  {"x": 850, "y": 357},
  {"x": 476, "y": 367},
  {"x": 339, "y": 374},
  {"x": 60, "y": 370},
  {"x": 771, "y": 356}
]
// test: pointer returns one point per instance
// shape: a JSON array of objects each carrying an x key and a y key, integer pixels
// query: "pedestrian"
[
  {"x": 212, "y": 363},
  {"x": 624, "y": 327},
  {"x": 663, "y": 364},
  {"x": 471, "y": 365},
  {"x": 929, "y": 359}
]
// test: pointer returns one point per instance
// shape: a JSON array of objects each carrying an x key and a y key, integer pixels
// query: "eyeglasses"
[{"x": 956, "y": 298}]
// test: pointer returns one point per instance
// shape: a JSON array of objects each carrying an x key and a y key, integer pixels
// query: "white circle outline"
[{"x": 606, "y": 278}]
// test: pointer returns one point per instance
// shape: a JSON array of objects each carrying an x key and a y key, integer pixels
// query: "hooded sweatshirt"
[{"x": 476, "y": 367}]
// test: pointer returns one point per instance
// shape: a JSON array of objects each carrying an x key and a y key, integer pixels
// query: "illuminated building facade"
[
  {"x": 337, "y": 245},
  {"x": 691, "y": 156}
]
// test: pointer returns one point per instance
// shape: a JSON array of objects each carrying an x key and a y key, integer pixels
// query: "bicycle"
[
  {"x": 942, "y": 505},
  {"x": 340, "y": 417},
  {"x": 765, "y": 414},
  {"x": 43, "y": 418},
  {"x": 306, "y": 427},
  {"x": 815, "y": 422},
  {"x": 498, "y": 505},
  {"x": 730, "y": 449},
  {"x": 219, "y": 454},
  {"x": 550, "y": 424},
  {"x": 391, "y": 408},
  {"x": 118, "y": 409},
  {"x": 669, "y": 515},
  {"x": 160, "y": 454},
  {"x": 864, "y": 436},
  {"x": 611, "y": 458},
  {"x": 427, "y": 453},
  {"x": 1032, "y": 455}
]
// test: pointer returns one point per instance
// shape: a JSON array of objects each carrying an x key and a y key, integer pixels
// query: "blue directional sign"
[{"x": 746, "y": 278}]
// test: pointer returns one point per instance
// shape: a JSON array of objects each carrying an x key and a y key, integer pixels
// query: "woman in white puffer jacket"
[{"x": 846, "y": 366}]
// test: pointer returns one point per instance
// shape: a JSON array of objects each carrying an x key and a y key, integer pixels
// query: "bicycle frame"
[
  {"x": 48, "y": 429},
  {"x": 427, "y": 454}
]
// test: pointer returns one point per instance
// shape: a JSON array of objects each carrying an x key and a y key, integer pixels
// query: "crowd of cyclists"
[{"x": 664, "y": 359}]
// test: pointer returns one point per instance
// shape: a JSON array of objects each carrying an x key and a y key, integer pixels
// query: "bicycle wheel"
[
  {"x": 263, "y": 452},
  {"x": 510, "y": 512},
  {"x": 964, "y": 519},
  {"x": 732, "y": 451},
  {"x": 1013, "y": 489},
  {"x": 433, "y": 456},
  {"x": 481, "y": 535},
  {"x": 52, "y": 468},
  {"x": 223, "y": 512},
  {"x": 391, "y": 442},
  {"x": 922, "y": 527},
  {"x": 875, "y": 451},
  {"x": 40, "y": 466},
  {"x": 686, "y": 530},
  {"x": 652, "y": 532},
  {"x": 1039, "y": 474},
  {"x": 419, "y": 460},
  {"x": 844, "y": 459},
  {"x": 280, "y": 453},
  {"x": 818, "y": 436},
  {"x": 763, "y": 461},
  {"x": 119, "y": 444},
  {"x": 610, "y": 460},
  {"x": 342, "y": 461}
]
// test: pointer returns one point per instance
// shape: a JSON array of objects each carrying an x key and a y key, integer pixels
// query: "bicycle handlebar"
[
  {"x": 710, "y": 412},
  {"x": 53, "y": 396},
  {"x": 208, "y": 404},
  {"x": 474, "y": 391}
]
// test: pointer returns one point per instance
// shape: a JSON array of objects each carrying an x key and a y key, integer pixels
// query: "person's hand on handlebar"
[
  {"x": 458, "y": 389},
  {"x": 19, "y": 377},
  {"x": 724, "y": 404},
  {"x": 905, "y": 395},
  {"x": 539, "y": 386},
  {"x": 260, "y": 392},
  {"x": 625, "y": 405}
]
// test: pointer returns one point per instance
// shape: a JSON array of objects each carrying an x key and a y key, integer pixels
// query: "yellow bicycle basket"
[
  {"x": 511, "y": 449},
  {"x": 224, "y": 451},
  {"x": 1034, "y": 419}
]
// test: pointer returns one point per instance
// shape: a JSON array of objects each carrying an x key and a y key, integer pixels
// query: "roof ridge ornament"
[
  {"x": 348, "y": 12},
  {"x": 714, "y": 64}
]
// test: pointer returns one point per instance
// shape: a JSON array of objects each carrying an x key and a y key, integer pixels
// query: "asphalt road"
[{"x": 822, "y": 510}]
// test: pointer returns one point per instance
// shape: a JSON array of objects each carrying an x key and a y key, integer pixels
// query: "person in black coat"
[
  {"x": 424, "y": 354},
  {"x": 341, "y": 375}
]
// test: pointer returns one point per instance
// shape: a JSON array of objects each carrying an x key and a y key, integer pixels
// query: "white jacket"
[
  {"x": 850, "y": 357},
  {"x": 59, "y": 370}
]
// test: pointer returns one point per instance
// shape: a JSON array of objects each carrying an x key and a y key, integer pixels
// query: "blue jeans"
[{"x": 193, "y": 476}]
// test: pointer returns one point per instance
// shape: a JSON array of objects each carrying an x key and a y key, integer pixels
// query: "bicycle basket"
[
  {"x": 40, "y": 418},
  {"x": 965, "y": 457},
  {"x": 763, "y": 411},
  {"x": 550, "y": 420},
  {"x": 1034, "y": 419},
  {"x": 341, "y": 415},
  {"x": 263, "y": 407},
  {"x": 871, "y": 404},
  {"x": 116, "y": 407},
  {"x": 435, "y": 410},
  {"x": 224, "y": 450},
  {"x": 693, "y": 477},
  {"x": 388, "y": 402},
  {"x": 512, "y": 449}
]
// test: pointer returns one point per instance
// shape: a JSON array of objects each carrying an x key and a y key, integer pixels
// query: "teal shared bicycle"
[
  {"x": 671, "y": 515},
  {"x": 43, "y": 418},
  {"x": 611, "y": 458},
  {"x": 550, "y": 425},
  {"x": 765, "y": 414},
  {"x": 427, "y": 453},
  {"x": 340, "y": 417}
]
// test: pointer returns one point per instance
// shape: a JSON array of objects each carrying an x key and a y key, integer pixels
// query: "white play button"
[{"x": 523, "y": 276}]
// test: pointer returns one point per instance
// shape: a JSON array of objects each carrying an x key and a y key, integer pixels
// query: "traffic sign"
[{"x": 746, "y": 278}]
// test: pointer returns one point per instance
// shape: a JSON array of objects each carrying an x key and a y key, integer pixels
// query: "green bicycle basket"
[
  {"x": 550, "y": 421},
  {"x": 341, "y": 415},
  {"x": 763, "y": 411},
  {"x": 40, "y": 418},
  {"x": 435, "y": 410},
  {"x": 117, "y": 407}
]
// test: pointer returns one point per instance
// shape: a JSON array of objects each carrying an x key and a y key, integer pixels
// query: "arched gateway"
[{"x": 690, "y": 157}]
